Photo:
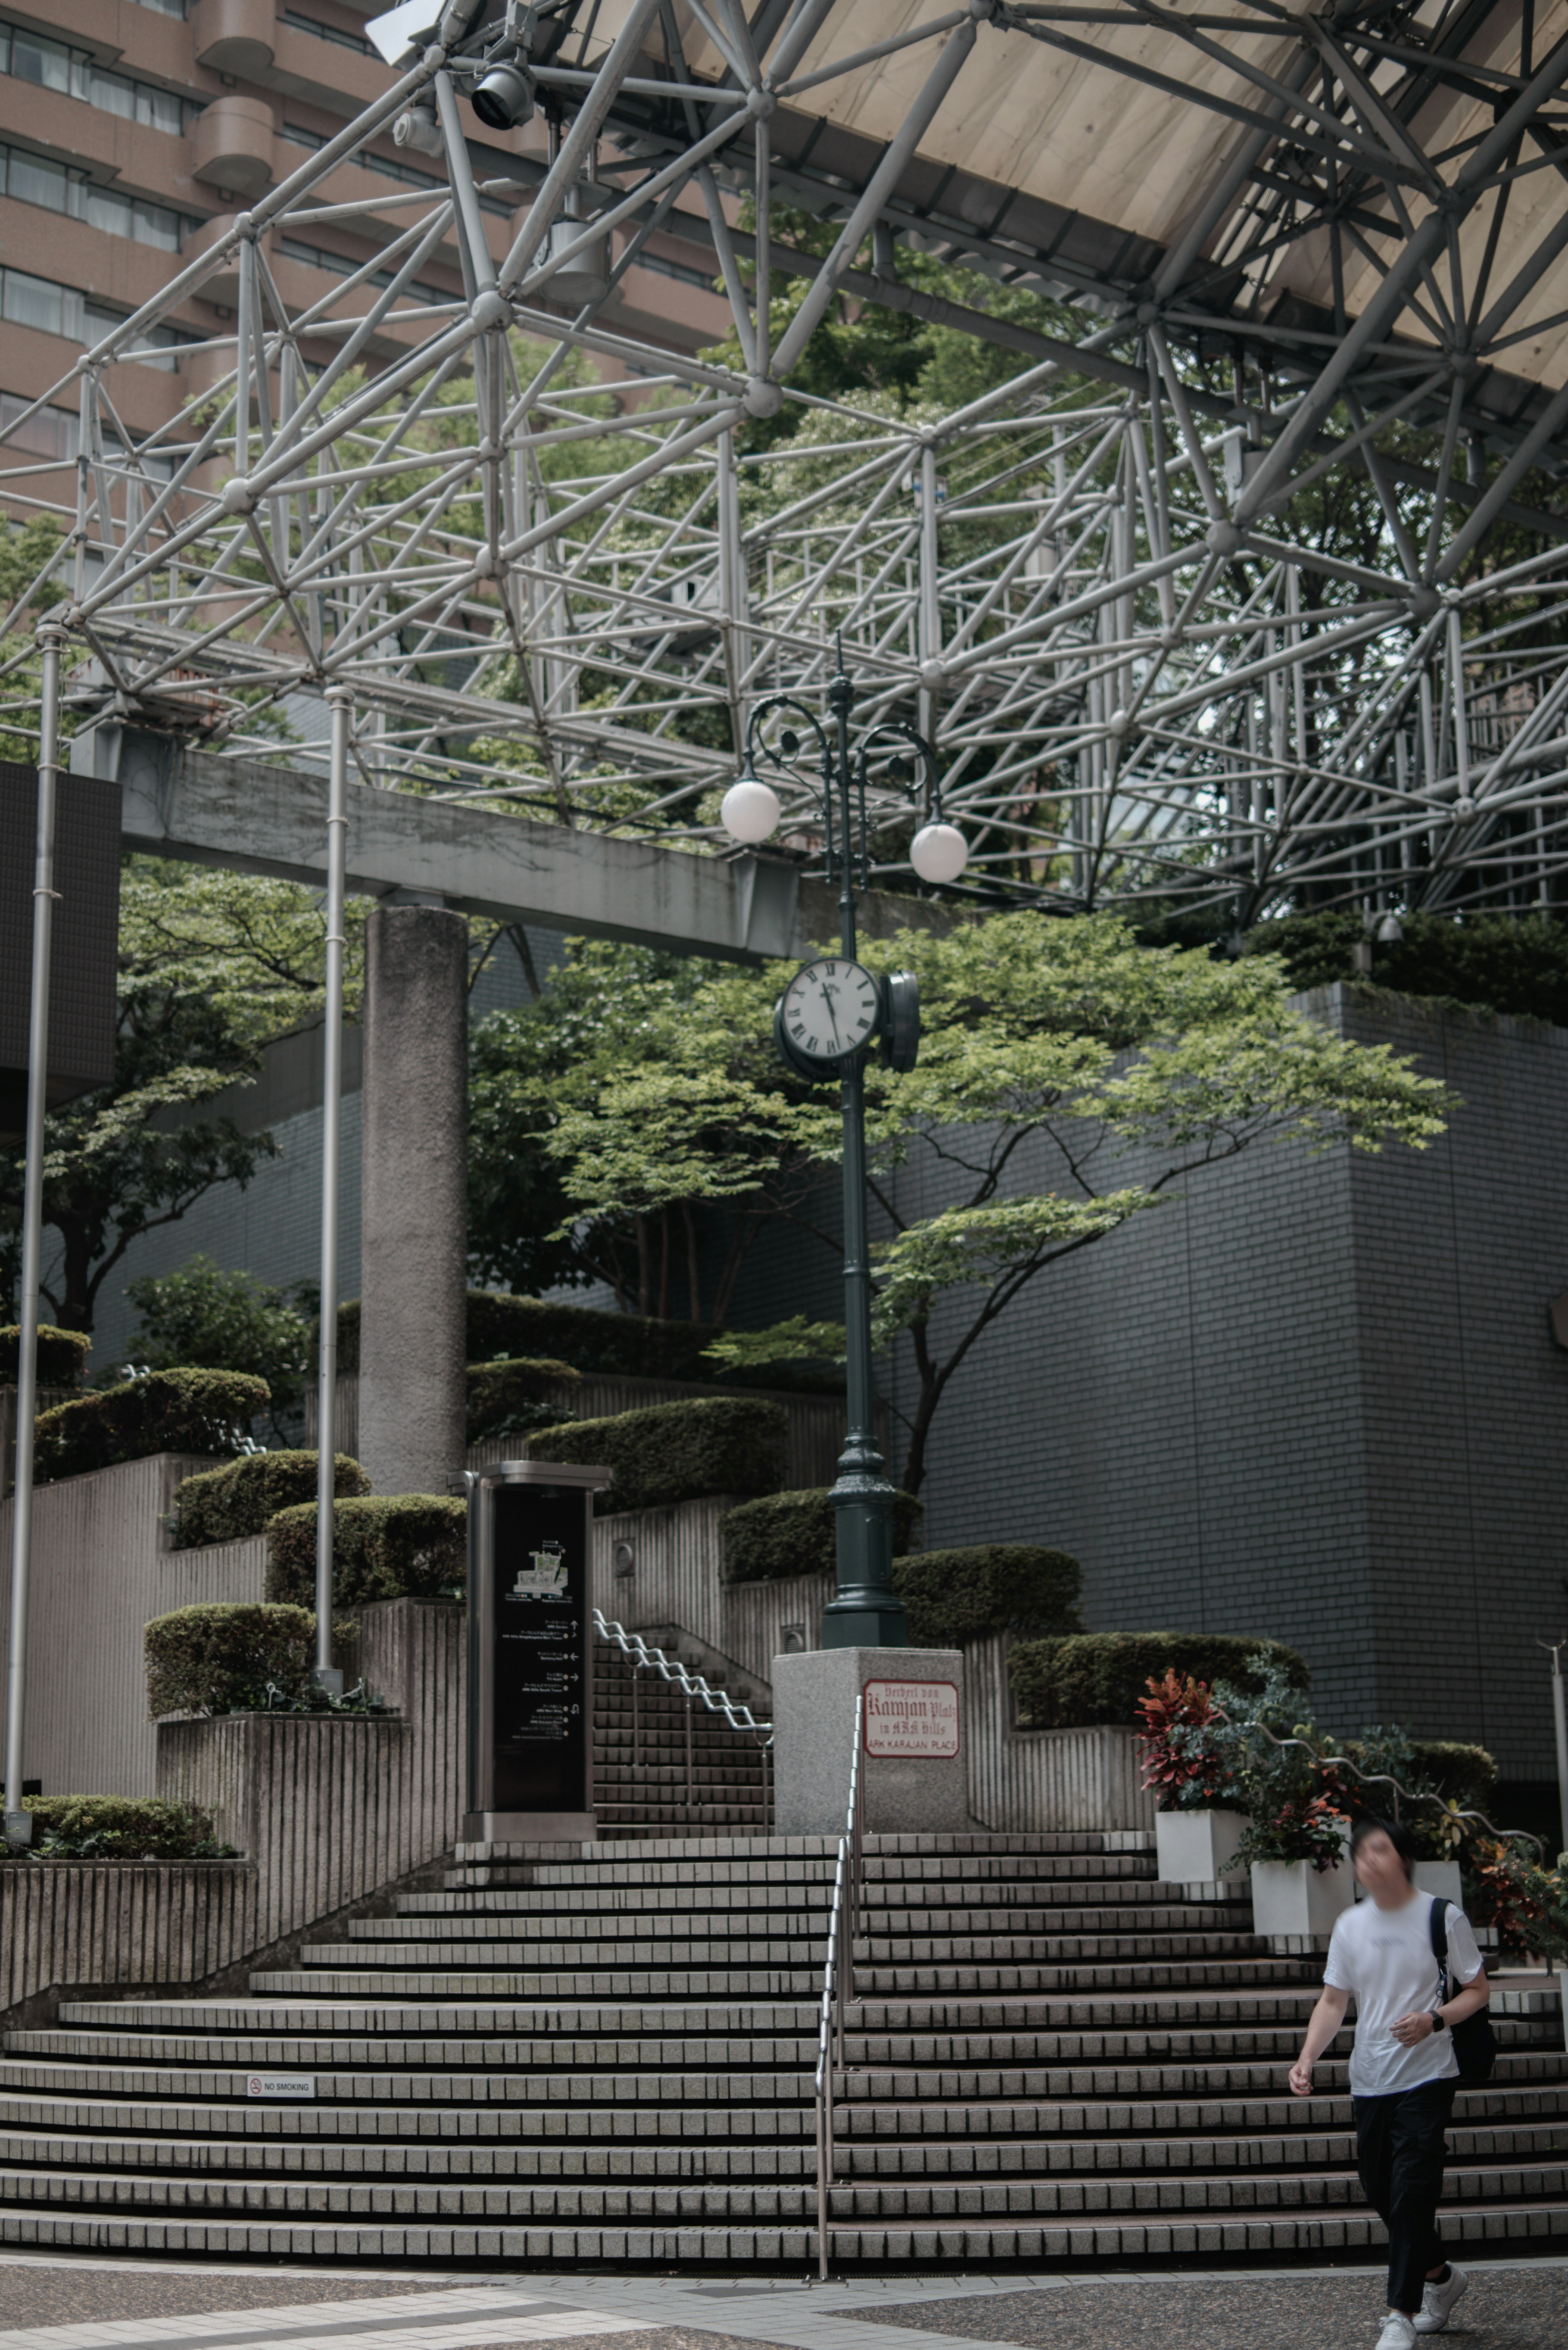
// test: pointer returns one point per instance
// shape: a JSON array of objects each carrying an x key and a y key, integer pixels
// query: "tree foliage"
[{"x": 1064, "y": 1043}]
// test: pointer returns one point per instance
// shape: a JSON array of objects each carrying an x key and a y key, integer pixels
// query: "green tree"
[
  {"x": 205, "y": 1318},
  {"x": 1064, "y": 1034}
]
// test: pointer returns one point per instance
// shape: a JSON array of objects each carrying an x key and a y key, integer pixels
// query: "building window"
[
  {"x": 48, "y": 432},
  {"x": 35, "y": 180},
  {"x": 165, "y": 8},
  {"x": 49, "y": 65},
  {"x": 339, "y": 265},
  {"x": 297, "y": 134},
  {"x": 299, "y": 24},
  {"x": 676, "y": 269},
  {"x": 28, "y": 301}
]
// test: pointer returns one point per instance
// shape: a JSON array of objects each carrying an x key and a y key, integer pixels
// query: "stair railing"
[
  {"x": 645, "y": 1658},
  {"x": 839, "y": 1991}
]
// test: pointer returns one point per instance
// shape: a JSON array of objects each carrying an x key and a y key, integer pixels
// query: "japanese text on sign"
[{"x": 916, "y": 1720}]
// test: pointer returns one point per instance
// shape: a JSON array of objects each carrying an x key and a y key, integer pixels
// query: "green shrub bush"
[
  {"x": 386, "y": 1546},
  {"x": 62, "y": 1355},
  {"x": 218, "y": 1658},
  {"x": 631, "y": 1346},
  {"x": 1466, "y": 1775},
  {"x": 954, "y": 1596},
  {"x": 1093, "y": 1677},
  {"x": 511, "y": 1398},
  {"x": 226, "y": 1504},
  {"x": 165, "y": 1411},
  {"x": 121, "y": 1827},
  {"x": 677, "y": 1452},
  {"x": 796, "y": 1533}
]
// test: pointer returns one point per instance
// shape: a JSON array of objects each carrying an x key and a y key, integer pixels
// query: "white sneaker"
[
  {"x": 1398, "y": 2331},
  {"x": 1437, "y": 2302}
]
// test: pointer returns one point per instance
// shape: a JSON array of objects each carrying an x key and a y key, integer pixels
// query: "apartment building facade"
[{"x": 132, "y": 131}]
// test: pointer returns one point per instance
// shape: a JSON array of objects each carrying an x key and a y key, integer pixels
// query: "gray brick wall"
[{"x": 1312, "y": 1397}]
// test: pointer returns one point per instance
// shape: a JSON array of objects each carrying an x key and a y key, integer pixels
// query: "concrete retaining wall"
[
  {"x": 674, "y": 1583},
  {"x": 106, "y": 1923},
  {"x": 329, "y": 1807},
  {"x": 101, "y": 1567},
  {"x": 1043, "y": 1778},
  {"x": 817, "y": 1423}
]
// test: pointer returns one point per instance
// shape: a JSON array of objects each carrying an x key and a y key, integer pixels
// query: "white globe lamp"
[
  {"x": 750, "y": 810},
  {"x": 938, "y": 852}
]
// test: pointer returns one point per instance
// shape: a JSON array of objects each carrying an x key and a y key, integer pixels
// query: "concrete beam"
[{"x": 187, "y": 804}]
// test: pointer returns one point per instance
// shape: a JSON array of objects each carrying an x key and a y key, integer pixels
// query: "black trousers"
[{"x": 1399, "y": 2153}]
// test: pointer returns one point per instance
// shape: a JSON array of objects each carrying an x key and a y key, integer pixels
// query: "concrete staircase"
[
  {"x": 592, "y": 2053},
  {"x": 664, "y": 1765}
]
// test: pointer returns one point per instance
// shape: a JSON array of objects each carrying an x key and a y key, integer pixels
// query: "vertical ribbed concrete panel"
[
  {"x": 329, "y": 1808},
  {"x": 413, "y": 1200},
  {"x": 1089, "y": 1778},
  {"x": 117, "y": 1923},
  {"x": 102, "y": 1568}
]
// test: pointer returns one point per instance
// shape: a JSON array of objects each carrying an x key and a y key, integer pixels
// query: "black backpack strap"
[{"x": 1439, "y": 1925}]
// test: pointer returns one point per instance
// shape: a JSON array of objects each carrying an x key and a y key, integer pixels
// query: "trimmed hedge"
[
  {"x": 512, "y": 1398},
  {"x": 796, "y": 1533},
  {"x": 954, "y": 1596},
  {"x": 121, "y": 1827},
  {"x": 677, "y": 1452},
  {"x": 219, "y": 1658},
  {"x": 1094, "y": 1676},
  {"x": 387, "y": 1546},
  {"x": 1466, "y": 1775},
  {"x": 61, "y": 1357},
  {"x": 162, "y": 1411},
  {"x": 632, "y": 1346},
  {"x": 226, "y": 1504}
]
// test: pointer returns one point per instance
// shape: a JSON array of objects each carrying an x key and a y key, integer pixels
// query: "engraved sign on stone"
[{"x": 912, "y": 1722}]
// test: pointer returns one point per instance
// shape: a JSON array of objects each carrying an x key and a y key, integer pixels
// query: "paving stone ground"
[
  {"x": 1508, "y": 2309},
  {"x": 46, "y": 2294}
]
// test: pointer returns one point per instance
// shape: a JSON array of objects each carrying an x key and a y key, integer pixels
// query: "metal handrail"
[
  {"x": 839, "y": 1983},
  {"x": 644, "y": 1658},
  {"x": 1387, "y": 1779}
]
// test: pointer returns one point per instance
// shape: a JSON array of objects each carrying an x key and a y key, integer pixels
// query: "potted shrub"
[
  {"x": 1296, "y": 1842},
  {"x": 1189, "y": 1766},
  {"x": 1527, "y": 1906}
]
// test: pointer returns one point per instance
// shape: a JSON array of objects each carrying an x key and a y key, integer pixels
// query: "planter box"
[
  {"x": 1192, "y": 1848},
  {"x": 1294, "y": 1905}
]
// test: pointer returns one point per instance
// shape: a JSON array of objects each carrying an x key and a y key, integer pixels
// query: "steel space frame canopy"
[{"x": 1096, "y": 587}]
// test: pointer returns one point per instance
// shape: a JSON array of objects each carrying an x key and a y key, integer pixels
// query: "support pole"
[
  {"x": 340, "y": 702},
  {"x": 18, "y": 1822},
  {"x": 1560, "y": 1723}
]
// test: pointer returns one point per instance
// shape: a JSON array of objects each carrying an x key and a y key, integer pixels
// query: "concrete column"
[{"x": 414, "y": 1236}]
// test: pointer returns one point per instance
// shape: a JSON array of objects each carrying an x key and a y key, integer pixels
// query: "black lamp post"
[{"x": 827, "y": 1020}]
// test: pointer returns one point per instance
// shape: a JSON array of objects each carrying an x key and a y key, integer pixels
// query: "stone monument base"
[{"x": 911, "y": 1747}]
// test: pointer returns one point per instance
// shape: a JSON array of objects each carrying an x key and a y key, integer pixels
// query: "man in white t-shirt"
[{"x": 1403, "y": 2070}]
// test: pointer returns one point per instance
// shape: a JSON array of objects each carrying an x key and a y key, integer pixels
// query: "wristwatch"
[{"x": 1439, "y": 2022}]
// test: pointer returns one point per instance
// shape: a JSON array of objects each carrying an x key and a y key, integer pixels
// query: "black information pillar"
[{"x": 530, "y": 1652}]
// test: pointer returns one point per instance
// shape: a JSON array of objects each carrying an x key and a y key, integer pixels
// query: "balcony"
[{"x": 232, "y": 144}]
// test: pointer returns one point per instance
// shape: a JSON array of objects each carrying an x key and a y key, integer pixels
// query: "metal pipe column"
[
  {"x": 340, "y": 702},
  {"x": 18, "y": 1822}
]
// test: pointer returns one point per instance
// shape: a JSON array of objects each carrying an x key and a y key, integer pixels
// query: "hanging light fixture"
[
  {"x": 749, "y": 810},
  {"x": 938, "y": 852}
]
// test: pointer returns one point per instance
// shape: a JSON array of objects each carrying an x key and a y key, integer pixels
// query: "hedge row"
[
  {"x": 219, "y": 1658},
  {"x": 1093, "y": 1677},
  {"x": 677, "y": 1452},
  {"x": 226, "y": 1504},
  {"x": 61, "y": 1356},
  {"x": 120, "y": 1827},
  {"x": 954, "y": 1596},
  {"x": 512, "y": 1398},
  {"x": 393, "y": 1546},
  {"x": 630, "y": 1346},
  {"x": 164, "y": 1411},
  {"x": 795, "y": 1534}
]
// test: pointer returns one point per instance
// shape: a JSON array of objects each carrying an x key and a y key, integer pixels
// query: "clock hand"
[{"x": 828, "y": 999}]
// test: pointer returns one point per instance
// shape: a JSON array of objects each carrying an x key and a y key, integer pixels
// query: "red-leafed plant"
[{"x": 1185, "y": 1762}]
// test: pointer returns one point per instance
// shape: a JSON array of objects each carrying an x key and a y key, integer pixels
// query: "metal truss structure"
[{"x": 1118, "y": 599}]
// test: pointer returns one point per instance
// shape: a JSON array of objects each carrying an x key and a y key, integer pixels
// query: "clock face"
[{"x": 830, "y": 1009}]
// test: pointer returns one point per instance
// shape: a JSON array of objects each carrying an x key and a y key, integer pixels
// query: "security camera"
[
  {"x": 503, "y": 97},
  {"x": 417, "y": 127}
]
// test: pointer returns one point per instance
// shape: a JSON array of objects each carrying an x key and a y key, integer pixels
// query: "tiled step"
[{"x": 1529, "y": 2225}]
